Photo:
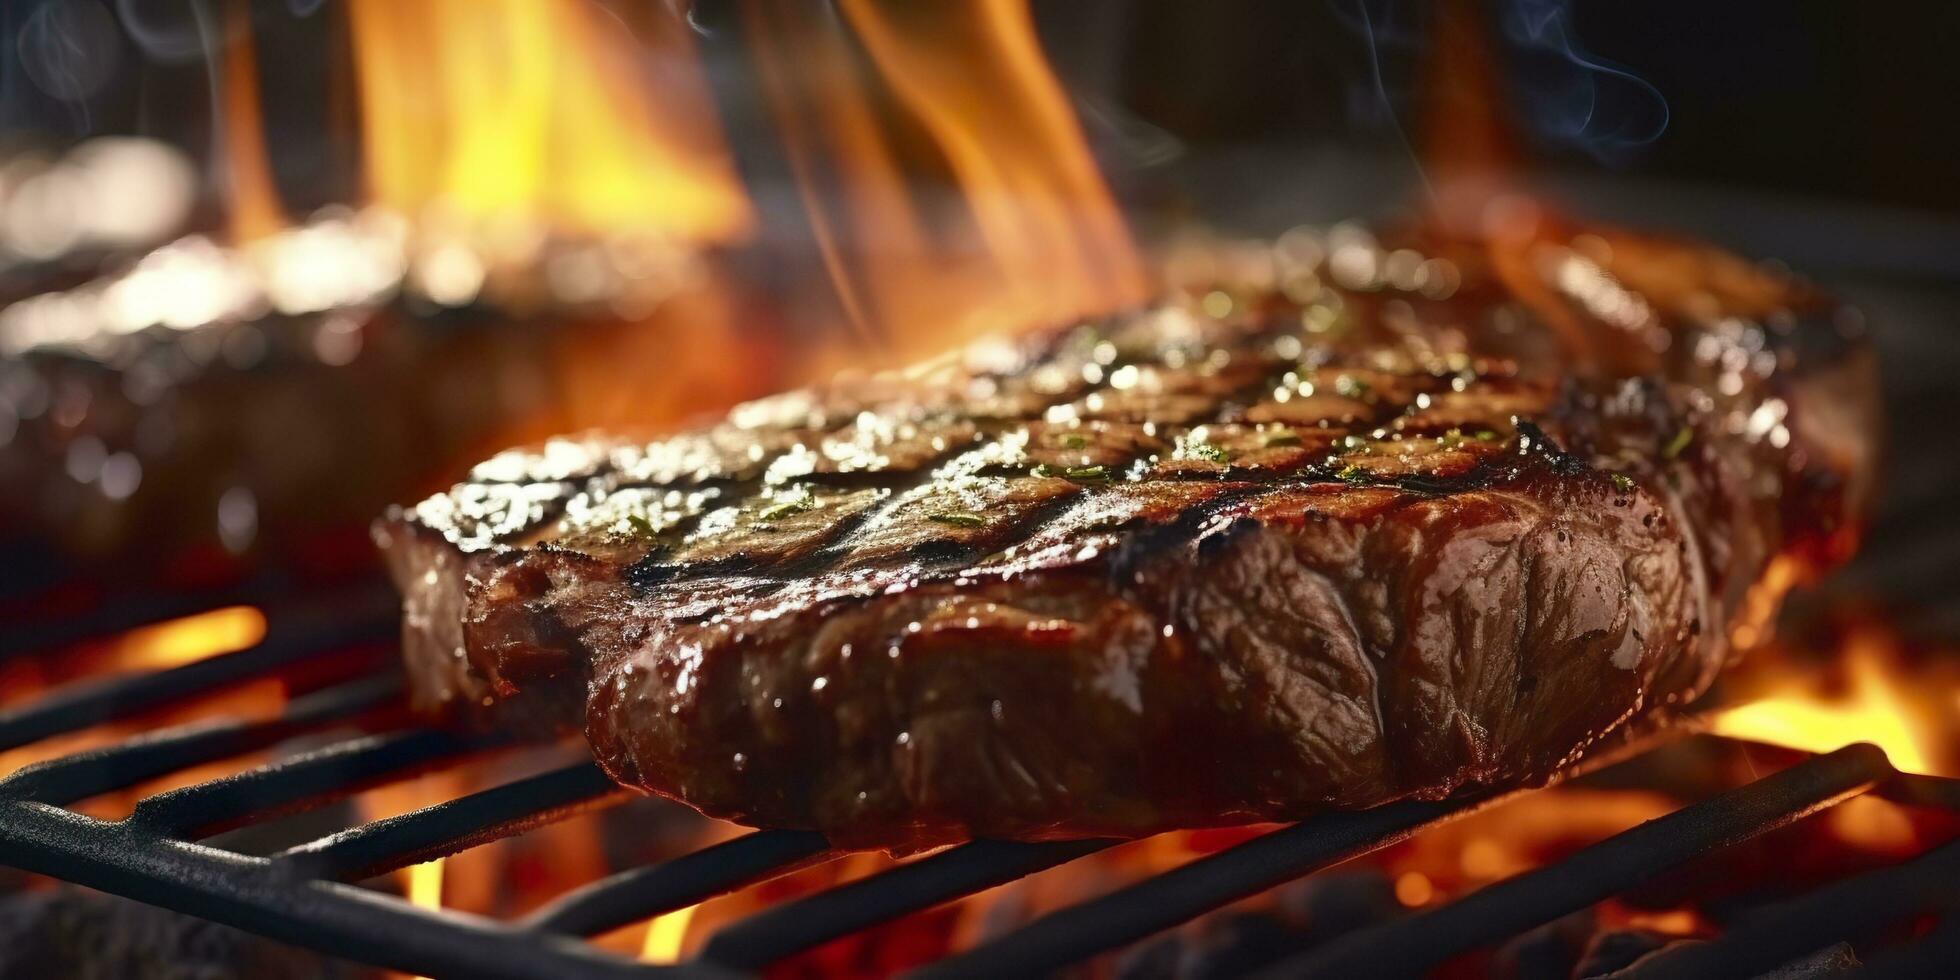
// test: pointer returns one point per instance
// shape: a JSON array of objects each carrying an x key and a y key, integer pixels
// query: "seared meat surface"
[{"x": 1331, "y": 548}]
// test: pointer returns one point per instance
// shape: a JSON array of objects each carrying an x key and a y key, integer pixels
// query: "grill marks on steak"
[
  {"x": 911, "y": 502},
  {"x": 1162, "y": 571}
]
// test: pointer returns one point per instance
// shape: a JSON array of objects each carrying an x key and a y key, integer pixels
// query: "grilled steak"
[{"x": 1327, "y": 549}]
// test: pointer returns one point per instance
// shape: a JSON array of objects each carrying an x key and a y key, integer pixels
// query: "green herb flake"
[
  {"x": 797, "y": 504},
  {"x": 640, "y": 525},
  {"x": 1624, "y": 482},
  {"x": 1679, "y": 443},
  {"x": 1206, "y": 451},
  {"x": 1075, "y": 440},
  {"x": 1043, "y": 469},
  {"x": 958, "y": 519},
  {"x": 1087, "y": 472},
  {"x": 1451, "y": 439},
  {"x": 1352, "y": 474},
  {"x": 1281, "y": 437},
  {"x": 1486, "y": 435}
]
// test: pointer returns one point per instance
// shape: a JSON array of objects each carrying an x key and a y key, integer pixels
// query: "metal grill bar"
[
  {"x": 330, "y": 917},
  {"x": 641, "y": 893},
  {"x": 86, "y": 703},
  {"x": 451, "y": 826},
  {"x": 77, "y": 777},
  {"x": 1854, "y": 907},
  {"x": 1913, "y": 789},
  {"x": 1932, "y": 958},
  {"x": 1183, "y": 893},
  {"x": 1412, "y": 945},
  {"x": 337, "y": 769},
  {"x": 299, "y": 896},
  {"x": 792, "y": 927},
  {"x": 127, "y": 611}
]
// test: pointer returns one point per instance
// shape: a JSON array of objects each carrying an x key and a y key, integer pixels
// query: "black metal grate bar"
[
  {"x": 336, "y": 919},
  {"x": 1935, "y": 957},
  {"x": 451, "y": 826},
  {"x": 300, "y": 896},
  {"x": 1412, "y": 945},
  {"x": 1157, "y": 903},
  {"x": 1852, "y": 908},
  {"x": 77, "y": 777},
  {"x": 88, "y": 703},
  {"x": 125, "y": 611},
  {"x": 792, "y": 927},
  {"x": 1913, "y": 789},
  {"x": 335, "y": 770},
  {"x": 640, "y": 893}
]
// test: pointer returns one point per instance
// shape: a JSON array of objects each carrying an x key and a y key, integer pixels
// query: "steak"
[{"x": 1325, "y": 542}]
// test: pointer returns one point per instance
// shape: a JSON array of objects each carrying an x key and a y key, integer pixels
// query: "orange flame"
[
  {"x": 665, "y": 934},
  {"x": 252, "y": 198},
  {"x": 978, "y": 82},
  {"x": 1047, "y": 240},
  {"x": 160, "y": 646},
  {"x": 422, "y": 886},
  {"x": 494, "y": 110},
  {"x": 1875, "y": 705},
  {"x": 425, "y": 884},
  {"x": 192, "y": 638}
]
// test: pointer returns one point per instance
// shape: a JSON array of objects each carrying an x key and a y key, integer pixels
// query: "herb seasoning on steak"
[{"x": 1337, "y": 547}]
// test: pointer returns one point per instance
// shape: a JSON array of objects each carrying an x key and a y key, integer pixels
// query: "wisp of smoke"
[
  {"x": 1571, "y": 96},
  {"x": 1563, "y": 93}
]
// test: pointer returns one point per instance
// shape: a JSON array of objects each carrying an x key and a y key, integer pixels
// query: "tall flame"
[
  {"x": 250, "y": 194},
  {"x": 1047, "y": 239},
  {"x": 975, "y": 76},
  {"x": 535, "y": 110}
]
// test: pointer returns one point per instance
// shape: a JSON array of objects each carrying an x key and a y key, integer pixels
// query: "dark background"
[
  {"x": 1847, "y": 100},
  {"x": 1852, "y": 101}
]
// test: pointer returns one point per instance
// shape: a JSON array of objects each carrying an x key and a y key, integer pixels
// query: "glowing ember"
[
  {"x": 1873, "y": 706},
  {"x": 1673, "y": 922},
  {"x": 1512, "y": 837},
  {"x": 192, "y": 638},
  {"x": 1413, "y": 888},
  {"x": 665, "y": 935}
]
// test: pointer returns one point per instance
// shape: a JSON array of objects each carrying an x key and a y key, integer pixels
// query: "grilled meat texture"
[{"x": 1168, "y": 569}]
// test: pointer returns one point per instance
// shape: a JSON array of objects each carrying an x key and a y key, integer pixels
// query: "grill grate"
[{"x": 302, "y": 895}]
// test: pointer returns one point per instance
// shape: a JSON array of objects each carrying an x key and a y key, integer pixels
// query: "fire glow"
[
  {"x": 501, "y": 110},
  {"x": 161, "y": 646},
  {"x": 1867, "y": 695},
  {"x": 539, "y": 125},
  {"x": 665, "y": 936},
  {"x": 516, "y": 152},
  {"x": 187, "y": 640}
]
